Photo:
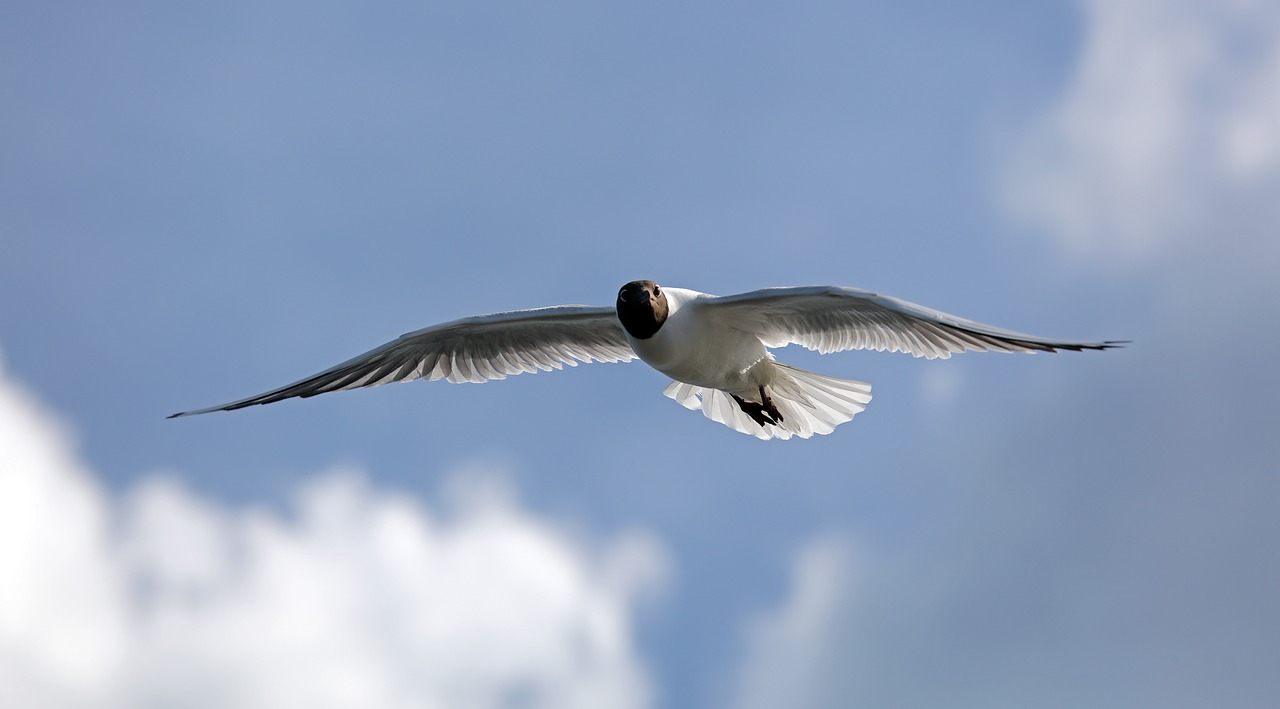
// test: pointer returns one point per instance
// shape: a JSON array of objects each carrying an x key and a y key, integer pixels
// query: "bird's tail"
[{"x": 809, "y": 403}]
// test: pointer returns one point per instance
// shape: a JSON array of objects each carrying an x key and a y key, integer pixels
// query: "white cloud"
[
  {"x": 356, "y": 597},
  {"x": 1165, "y": 132},
  {"x": 784, "y": 664}
]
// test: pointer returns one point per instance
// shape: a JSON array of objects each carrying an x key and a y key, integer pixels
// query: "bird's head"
[{"x": 642, "y": 308}]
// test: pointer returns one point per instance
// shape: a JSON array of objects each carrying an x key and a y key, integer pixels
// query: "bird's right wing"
[
  {"x": 834, "y": 318},
  {"x": 474, "y": 349}
]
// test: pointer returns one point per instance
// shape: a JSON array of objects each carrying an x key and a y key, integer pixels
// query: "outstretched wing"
[
  {"x": 475, "y": 349},
  {"x": 834, "y": 318}
]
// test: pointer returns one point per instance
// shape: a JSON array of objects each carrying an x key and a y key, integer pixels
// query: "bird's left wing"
[
  {"x": 835, "y": 318},
  {"x": 474, "y": 349}
]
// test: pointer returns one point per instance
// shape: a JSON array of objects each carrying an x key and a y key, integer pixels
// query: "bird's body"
[
  {"x": 714, "y": 348},
  {"x": 697, "y": 348}
]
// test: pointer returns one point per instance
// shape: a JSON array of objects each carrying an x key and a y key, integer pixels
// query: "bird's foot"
[
  {"x": 769, "y": 408},
  {"x": 764, "y": 413}
]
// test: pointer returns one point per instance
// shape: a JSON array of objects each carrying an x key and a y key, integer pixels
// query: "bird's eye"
[
  {"x": 622, "y": 296},
  {"x": 657, "y": 291}
]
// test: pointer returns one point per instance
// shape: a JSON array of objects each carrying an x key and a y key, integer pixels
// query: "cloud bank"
[{"x": 353, "y": 597}]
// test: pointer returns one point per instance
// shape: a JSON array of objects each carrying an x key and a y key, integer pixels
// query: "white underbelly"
[{"x": 715, "y": 357}]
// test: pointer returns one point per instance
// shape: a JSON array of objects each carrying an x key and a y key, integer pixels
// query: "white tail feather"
[{"x": 810, "y": 403}]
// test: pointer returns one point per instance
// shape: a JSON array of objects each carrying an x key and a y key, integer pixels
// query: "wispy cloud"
[
  {"x": 784, "y": 665},
  {"x": 1166, "y": 129},
  {"x": 353, "y": 597}
]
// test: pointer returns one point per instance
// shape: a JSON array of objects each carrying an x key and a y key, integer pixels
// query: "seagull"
[{"x": 714, "y": 348}]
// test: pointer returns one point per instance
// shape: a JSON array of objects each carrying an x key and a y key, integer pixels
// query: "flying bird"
[{"x": 714, "y": 348}]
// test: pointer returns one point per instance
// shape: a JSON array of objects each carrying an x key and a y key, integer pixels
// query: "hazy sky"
[{"x": 201, "y": 203}]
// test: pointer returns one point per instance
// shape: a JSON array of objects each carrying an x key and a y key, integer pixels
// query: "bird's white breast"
[{"x": 695, "y": 347}]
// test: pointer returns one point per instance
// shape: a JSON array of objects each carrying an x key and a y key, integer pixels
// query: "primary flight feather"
[{"x": 715, "y": 349}]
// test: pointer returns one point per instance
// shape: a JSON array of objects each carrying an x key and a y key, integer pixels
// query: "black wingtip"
[
  {"x": 1096, "y": 346},
  {"x": 1044, "y": 346},
  {"x": 193, "y": 412}
]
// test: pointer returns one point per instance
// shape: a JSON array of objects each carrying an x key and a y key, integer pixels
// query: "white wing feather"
[
  {"x": 475, "y": 349},
  {"x": 834, "y": 318}
]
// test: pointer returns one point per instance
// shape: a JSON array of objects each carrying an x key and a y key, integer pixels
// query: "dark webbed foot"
[
  {"x": 769, "y": 408},
  {"x": 763, "y": 413}
]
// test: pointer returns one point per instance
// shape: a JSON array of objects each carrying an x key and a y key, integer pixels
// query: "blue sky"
[{"x": 201, "y": 204}]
